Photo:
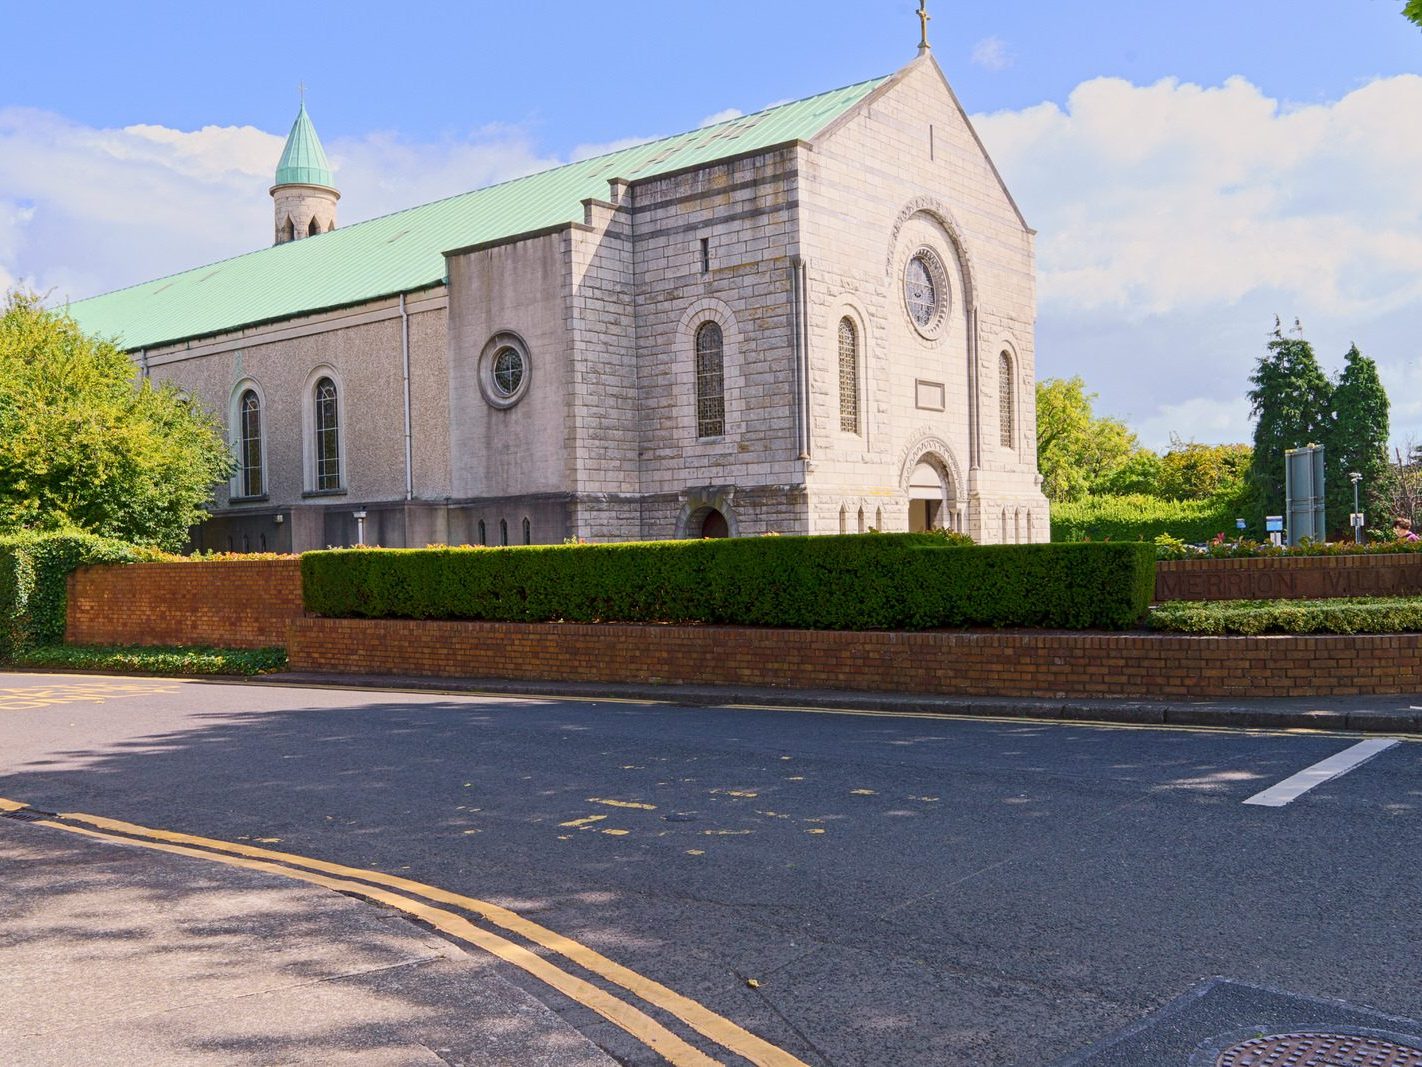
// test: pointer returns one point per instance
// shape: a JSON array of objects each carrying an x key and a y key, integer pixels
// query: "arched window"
[
  {"x": 1006, "y": 401},
  {"x": 848, "y": 376},
  {"x": 503, "y": 531},
  {"x": 290, "y": 229},
  {"x": 527, "y": 532},
  {"x": 314, "y": 229},
  {"x": 710, "y": 381},
  {"x": 328, "y": 436},
  {"x": 861, "y": 520},
  {"x": 1031, "y": 533},
  {"x": 1003, "y": 540},
  {"x": 879, "y": 519},
  {"x": 483, "y": 533},
  {"x": 251, "y": 482}
]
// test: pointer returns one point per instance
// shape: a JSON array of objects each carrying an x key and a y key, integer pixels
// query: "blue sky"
[{"x": 1193, "y": 168}]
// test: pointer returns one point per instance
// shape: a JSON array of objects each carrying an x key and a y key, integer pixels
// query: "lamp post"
[
  {"x": 1355, "y": 478},
  {"x": 360, "y": 528}
]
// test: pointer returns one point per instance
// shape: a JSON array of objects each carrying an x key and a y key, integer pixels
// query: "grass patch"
[
  {"x": 1343, "y": 615},
  {"x": 152, "y": 659}
]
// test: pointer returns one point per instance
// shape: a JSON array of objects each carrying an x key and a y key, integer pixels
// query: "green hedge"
[
  {"x": 873, "y": 581},
  {"x": 182, "y": 662},
  {"x": 1342, "y": 615},
  {"x": 1142, "y": 518},
  {"x": 34, "y": 571}
]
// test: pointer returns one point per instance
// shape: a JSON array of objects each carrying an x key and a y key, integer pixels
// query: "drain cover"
[{"x": 1319, "y": 1050}]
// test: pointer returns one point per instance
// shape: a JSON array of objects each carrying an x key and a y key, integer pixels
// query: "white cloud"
[
  {"x": 720, "y": 116},
  {"x": 1175, "y": 220},
  {"x": 85, "y": 210},
  {"x": 991, "y": 54}
]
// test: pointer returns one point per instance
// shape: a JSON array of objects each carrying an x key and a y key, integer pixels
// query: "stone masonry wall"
[
  {"x": 744, "y": 210},
  {"x": 906, "y": 171},
  {"x": 998, "y": 663},
  {"x": 231, "y": 604}
]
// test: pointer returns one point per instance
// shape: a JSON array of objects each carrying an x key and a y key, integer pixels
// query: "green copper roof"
[
  {"x": 303, "y": 161},
  {"x": 404, "y": 251}
]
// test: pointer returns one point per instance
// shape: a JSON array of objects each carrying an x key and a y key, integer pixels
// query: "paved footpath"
[
  {"x": 116, "y": 955},
  {"x": 598, "y": 880}
]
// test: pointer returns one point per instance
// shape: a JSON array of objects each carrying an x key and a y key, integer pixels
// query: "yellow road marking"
[
  {"x": 623, "y": 804},
  {"x": 700, "y": 1018},
  {"x": 621, "y": 1014},
  {"x": 934, "y": 716},
  {"x": 43, "y": 696},
  {"x": 578, "y": 824}
]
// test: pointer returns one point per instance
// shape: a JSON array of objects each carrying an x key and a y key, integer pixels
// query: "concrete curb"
[{"x": 1371, "y": 714}]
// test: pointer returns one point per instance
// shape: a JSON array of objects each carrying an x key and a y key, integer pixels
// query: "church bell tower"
[{"x": 305, "y": 194}]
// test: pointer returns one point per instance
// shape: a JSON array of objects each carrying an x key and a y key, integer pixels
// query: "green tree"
[
  {"x": 1292, "y": 404},
  {"x": 1191, "y": 471},
  {"x": 1139, "y": 475},
  {"x": 1358, "y": 444},
  {"x": 1075, "y": 449},
  {"x": 84, "y": 445},
  {"x": 1413, "y": 10}
]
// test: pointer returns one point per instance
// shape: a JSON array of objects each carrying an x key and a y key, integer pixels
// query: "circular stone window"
[
  {"x": 504, "y": 370},
  {"x": 926, "y": 292}
]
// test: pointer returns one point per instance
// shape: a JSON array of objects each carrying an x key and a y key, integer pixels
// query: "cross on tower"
[{"x": 924, "y": 19}]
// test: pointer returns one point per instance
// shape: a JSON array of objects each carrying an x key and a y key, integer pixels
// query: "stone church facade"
[{"x": 814, "y": 320}]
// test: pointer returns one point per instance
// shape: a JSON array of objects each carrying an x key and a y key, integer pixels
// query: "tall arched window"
[
  {"x": 503, "y": 531},
  {"x": 328, "y": 436},
  {"x": 1006, "y": 401},
  {"x": 290, "y": 229},
  {"x": 710, "y": 381},
  {"x": 314, "y": 229},
  {"x": 527, "y": 532},
  {"x": 483, "y": 533},
  {"x": 848, "y": 376},
  {"x": 249, "y": 460}
]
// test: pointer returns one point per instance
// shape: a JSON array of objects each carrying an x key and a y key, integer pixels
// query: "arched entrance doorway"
[
  {"x": 928, "y": 497},
  {"x": 710, "y": 523}
]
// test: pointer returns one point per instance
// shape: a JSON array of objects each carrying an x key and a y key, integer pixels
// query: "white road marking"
[{"x": 1297, "y": 785}]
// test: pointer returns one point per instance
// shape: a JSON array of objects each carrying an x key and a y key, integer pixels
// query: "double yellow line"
[{"x": 411, "y": 899}]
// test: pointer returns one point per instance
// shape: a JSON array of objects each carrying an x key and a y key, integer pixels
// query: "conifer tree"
[
  {"x": 1358, "y": 443},
  {"x": 1292, "y": 404}
]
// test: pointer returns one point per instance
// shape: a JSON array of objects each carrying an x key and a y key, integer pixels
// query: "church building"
[{"x": 816, "y": 319}]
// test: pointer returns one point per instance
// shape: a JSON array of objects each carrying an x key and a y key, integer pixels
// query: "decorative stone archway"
[
  {"x": 713, "y": 505},
  {"x": 931, "y": 481}
]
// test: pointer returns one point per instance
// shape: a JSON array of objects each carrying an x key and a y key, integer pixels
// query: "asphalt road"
[{"x": 903, "y": 890}]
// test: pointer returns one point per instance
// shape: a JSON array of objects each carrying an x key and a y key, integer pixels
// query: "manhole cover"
[{"x": 1319, "y": 1050}]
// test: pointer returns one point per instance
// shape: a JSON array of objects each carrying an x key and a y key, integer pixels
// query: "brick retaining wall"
[
  {"x": 996, "y": 663},
  {"x": 1289, "y": 577},
  {"x": 227, "y": 604}
]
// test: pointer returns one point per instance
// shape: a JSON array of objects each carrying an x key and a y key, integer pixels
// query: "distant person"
[{"x": 1402, "y": 529}]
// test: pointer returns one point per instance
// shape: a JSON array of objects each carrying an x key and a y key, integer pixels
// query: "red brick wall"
[
  {"x": 227, "y": 604},
  {"x": 1289, "y": 577},
  {"x": 997, "y": 663}
]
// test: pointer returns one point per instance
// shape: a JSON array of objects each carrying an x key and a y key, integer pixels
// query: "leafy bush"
[
  {"x": 1141, "y": 518},
  {"x": 869, "y": 581},
  {"x": 34, "y": 573},
  {"x": 1343, "y": 615},
  {"x": 1168, "y": 548},
  {"x": 152, "y": 659}
]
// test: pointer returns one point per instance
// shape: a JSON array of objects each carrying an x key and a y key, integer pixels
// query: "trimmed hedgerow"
[
  {"x": 154, "y": 659},
  {"x": 868, "y": 582},
  {"x": 34, "y": 573},
  {"x": 1341, "y": 615}
]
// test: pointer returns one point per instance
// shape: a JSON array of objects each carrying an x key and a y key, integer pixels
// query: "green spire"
[{"x": 303, "y": 162}]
